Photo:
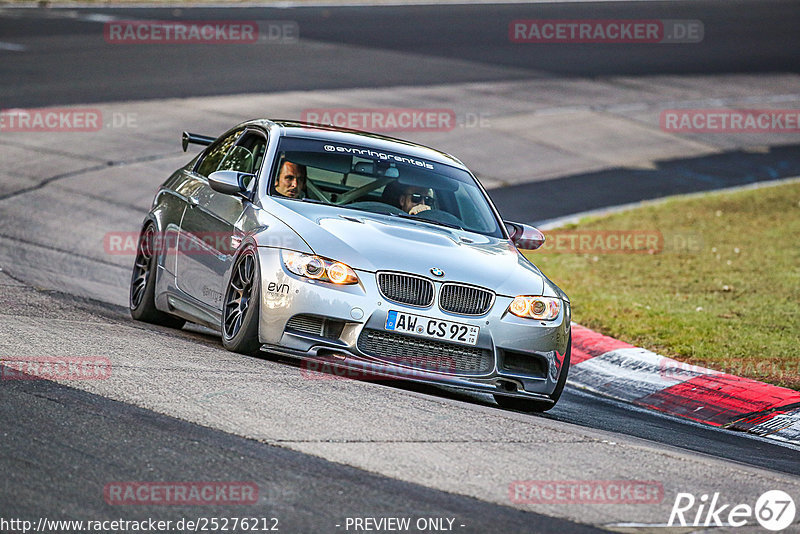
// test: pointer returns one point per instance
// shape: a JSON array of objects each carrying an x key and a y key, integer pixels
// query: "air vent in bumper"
[
  {"x": 523, "y": 363},
  {"x": 316, "y": 326},
  {"x": 424, "y": 354}
]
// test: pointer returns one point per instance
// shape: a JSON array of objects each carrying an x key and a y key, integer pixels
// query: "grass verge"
[{"x": 715, "y": 283}]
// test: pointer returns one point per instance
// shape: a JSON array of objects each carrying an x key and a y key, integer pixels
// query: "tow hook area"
[{"x": 506, "y": 384}]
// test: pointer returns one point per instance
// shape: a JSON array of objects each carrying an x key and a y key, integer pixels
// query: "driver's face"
[
  {"x": 407, "y": 200},
  {"x": 291, "y": 180}
]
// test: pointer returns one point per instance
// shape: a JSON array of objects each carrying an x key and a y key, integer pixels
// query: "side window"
[
  {"x": 246, "y": 156},
  {"x": 217, "y": 152}
]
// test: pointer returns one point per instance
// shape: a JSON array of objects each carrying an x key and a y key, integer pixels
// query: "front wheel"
[
  {"x": 528, "y": 405},
  {"x": 240, "y": 312},
  {"x": 143, "y": 283}
]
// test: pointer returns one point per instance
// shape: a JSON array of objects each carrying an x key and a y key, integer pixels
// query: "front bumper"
[{"x": 524, "y": 357}]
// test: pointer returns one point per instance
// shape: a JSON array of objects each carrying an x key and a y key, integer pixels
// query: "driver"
[
  {"x": 291, "y": 180},
  {"x": 414, "y": 200}
]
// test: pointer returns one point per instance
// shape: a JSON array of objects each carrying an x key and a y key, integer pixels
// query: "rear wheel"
[
  {"x": 240, "y": 312},
  {"x": 143, "y": 281},
  {"x": 528, "y": 405}
]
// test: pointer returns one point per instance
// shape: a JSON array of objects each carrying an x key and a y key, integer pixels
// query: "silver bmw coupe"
[{"x": 353, "y": 251}]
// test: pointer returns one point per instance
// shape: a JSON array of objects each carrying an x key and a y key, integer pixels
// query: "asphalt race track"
[
  {"x": 179, "y": 407},
  {"x": 380, "y": 46},
  {"x": 301, "y": 491}
]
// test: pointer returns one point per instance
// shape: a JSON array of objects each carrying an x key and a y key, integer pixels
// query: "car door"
[{"x": 212, "y": 224}]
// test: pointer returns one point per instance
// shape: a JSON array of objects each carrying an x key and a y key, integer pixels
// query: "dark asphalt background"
[
  {"x": 60, "y": 445},
  {"x": 69, "y": 62}
]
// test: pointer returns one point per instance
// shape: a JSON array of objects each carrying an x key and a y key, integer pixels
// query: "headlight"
[
  {"x": 318, "y": 268},
  {"x": 542, "y": 308}
]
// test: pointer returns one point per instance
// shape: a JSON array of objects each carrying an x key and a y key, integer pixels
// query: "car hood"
[{"x": 372, "y": 242}]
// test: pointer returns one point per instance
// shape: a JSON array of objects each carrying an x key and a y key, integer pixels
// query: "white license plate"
[{"x": 435, "y": 328}]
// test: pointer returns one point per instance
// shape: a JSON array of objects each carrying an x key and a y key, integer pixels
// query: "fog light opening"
[{"x": 508, "y": 385}]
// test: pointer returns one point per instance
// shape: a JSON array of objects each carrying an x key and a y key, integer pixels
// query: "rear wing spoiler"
[{"x": 195, "y": 139}]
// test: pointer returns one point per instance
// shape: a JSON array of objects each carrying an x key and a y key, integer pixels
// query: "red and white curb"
[{"x": 616, "y": 369}]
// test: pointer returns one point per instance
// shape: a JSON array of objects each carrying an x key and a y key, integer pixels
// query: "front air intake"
[
  {"x": 406, "y": 289},
  {"x": 465, "y": 300}
]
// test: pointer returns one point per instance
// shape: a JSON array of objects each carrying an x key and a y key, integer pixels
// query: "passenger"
[
  {"x": 410, "y": 199},
  {"x": 415, "y": 200}
]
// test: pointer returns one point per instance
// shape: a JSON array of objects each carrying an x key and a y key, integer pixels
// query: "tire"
[
  {"x": 528, "y": 405},
  {"x": 240, "y": 310},
  {"x": 141, "y": 298}
]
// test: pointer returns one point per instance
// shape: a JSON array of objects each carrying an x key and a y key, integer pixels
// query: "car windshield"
[{"x": 383, "y": 182}]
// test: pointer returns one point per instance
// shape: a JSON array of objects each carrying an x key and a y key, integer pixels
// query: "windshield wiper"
[{"x": 423, "y": 219}]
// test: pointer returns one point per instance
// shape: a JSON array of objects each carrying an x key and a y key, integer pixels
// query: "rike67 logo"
[{"x": 774, "y": 510}]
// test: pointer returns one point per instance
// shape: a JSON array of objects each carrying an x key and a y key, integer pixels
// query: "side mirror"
[
  {"x": 228, "y": 182},
  {"x": 524, "y": 236}
]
